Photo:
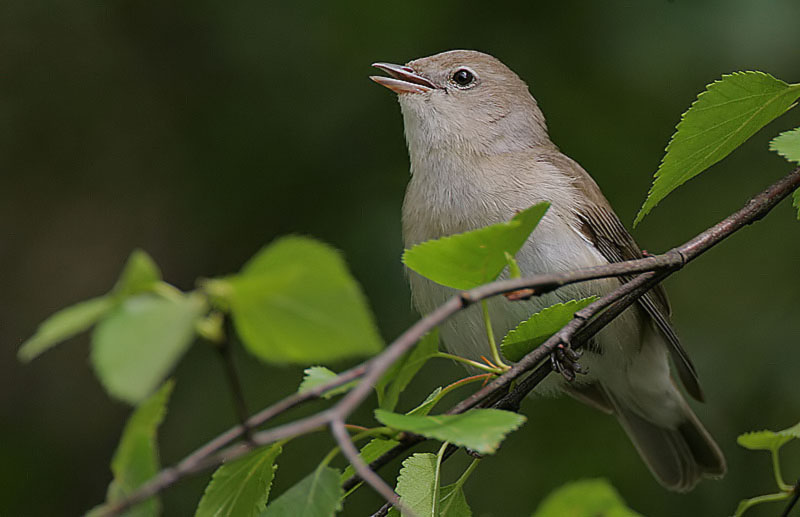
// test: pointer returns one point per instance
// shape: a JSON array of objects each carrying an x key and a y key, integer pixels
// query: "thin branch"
[
  {"x": 372, "y": 370},
  {"x": 368, "y": 475},
  {"x": 226, "y": 356},
  {"x": 619, "y": 300},
  {"x": 754, "y": 210},
  {"x": 793, "y": 500}
]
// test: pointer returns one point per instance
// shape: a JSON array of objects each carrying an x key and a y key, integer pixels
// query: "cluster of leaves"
[
  {"x": 771, "y": 441},
  {"x": 296, "y": 302}
]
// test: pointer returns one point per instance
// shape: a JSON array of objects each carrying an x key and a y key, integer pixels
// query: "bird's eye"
[{"x": 463, "y": 77}]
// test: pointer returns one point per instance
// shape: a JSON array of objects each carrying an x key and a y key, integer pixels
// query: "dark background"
[{"x": 200, "y": 131}]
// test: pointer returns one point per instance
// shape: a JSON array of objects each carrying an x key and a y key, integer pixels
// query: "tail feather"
[{"x": 679, "y": 457}]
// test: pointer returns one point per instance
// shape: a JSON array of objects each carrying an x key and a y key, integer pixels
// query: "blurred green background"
[{"x": 200, "y": 131}]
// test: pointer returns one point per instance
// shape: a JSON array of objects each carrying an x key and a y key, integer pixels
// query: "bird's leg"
[{"x": 564, "y": 360}]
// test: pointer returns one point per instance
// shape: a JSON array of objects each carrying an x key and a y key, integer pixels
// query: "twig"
[
  {"x": 793, "y": 500},
  {"x": 373, "y": 369},
  {"x": 351, "y": 453},
  {"x": 626, "y": 294},
  {"x": 204, "y": 457},
  {"x": 226, "y": 355}
]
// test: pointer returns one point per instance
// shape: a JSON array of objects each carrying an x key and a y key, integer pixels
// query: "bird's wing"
[{"x": 600, "y": 225}]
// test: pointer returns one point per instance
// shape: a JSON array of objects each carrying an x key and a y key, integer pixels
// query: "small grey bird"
[{"x": 480, "y": 153}]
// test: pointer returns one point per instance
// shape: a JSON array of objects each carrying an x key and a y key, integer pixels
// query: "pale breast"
[{"x": 447, "y": 196}]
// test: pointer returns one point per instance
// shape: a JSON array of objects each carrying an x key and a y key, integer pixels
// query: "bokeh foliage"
[{"x": 200, "y": 131}]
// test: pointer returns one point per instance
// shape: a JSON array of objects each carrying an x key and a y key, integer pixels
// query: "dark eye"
[{"x": 463, "y": 77}]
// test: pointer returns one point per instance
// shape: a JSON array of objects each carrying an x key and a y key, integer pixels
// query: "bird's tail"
[{"x": 679, "y": 454}]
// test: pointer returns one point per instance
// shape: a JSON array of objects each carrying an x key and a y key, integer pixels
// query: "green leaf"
[
  {"x": 481, "y": 430},
  {"x": 318, "y": 375},
  {"x": 295, "y": 301},
  {"x": 378, "y": 446},
  {"x": 768, "y": 440},
  {"x": 399, "y": 376},
  {"x": 139, "y": 274},
  {"x": 589, "y": 497},
  {"x": 787, "y": 144},
  {"x": 513, "y": 267},
  {"x": 373, "y": 450},
  {"x": 723, "y": 117},
  {"x": 138, "y": 343},
  {"x": 415, "y": 485},
  {"x": 63, "y": 325},
  {"x": 240, "y": 487},
  {"x": 318, "y": 495},
  {"x": 467, "y": 260},
  {"x": 452, "y": 502},
  {"x": 796, "y": 202},
  {"x": 136, "y": 458},
  {"x": 425, "y": 407},
  {"x": 539, "y": 327}
]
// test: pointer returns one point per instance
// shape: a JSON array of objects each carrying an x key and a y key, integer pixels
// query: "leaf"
[
  {"x": 589, "y": 497},
  {"x": 295, "y": 301},
  {"x": 427, "y": 404},
  {"x": 318, "y": 495},
  {"x": 513, "y": 267},
  {"x": 63, "y": 325},
  {"x": 319, "y": 375},
  {"x": 415, "y": 485},
  {"x": 467, "y": 260},
  {"x": 723, "y": 117},
  {"x": 378, "y": 446},
  {"x": 453, "y": 502},
  {"x": 796, "y": 202},
  {"x": 539, "y": 327},
  {"x": 138, "y": 343},
  {"x": 481, "y": 430},
  {"x": 373, "y": 450},
  {"x": 399, "y": 377},
  {"x": 787, "y": 144},
  {"x": 240, "y": 487},
  {"x": 768, "y": 440},
  {"x": 136, "y": 458},
  {"x": 138, "y": 275}
]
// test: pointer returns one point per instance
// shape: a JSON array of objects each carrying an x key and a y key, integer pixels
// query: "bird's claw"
[{"x": 565, "y": 361}]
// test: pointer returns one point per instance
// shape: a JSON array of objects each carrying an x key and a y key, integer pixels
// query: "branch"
[
  {"x": 624, "y": 296},
  {"x": 658, "y": 268},
  {"x": 226, "y": 356},
  {"x": 577, "y": 332},
  {"x": 792, "y": 501},
  {"x": 363, "y": 470}
]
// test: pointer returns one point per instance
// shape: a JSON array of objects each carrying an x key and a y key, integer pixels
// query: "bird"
[{"x": 479, "y": 153}]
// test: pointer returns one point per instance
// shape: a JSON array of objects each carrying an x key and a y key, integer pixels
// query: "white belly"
[{"x": 552, "y": 247}]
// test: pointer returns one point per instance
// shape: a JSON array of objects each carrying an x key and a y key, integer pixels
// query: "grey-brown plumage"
[{"x": 480, "y": 153}]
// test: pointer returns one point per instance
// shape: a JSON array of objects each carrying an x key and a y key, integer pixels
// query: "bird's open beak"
[{"x": 403, "y": 79}]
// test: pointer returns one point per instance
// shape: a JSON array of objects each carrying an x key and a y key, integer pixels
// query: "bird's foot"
[{"x": 565, "y": 361}]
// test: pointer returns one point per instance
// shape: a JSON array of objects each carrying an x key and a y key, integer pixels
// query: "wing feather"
[{"x": 599, "y": 225}]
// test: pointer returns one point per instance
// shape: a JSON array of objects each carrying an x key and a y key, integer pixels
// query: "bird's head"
[{"x": 464, "y": 100}]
